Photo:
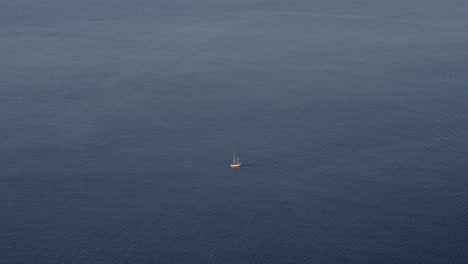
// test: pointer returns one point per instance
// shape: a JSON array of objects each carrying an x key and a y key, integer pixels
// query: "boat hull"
[{"x": 235, "y": 165}]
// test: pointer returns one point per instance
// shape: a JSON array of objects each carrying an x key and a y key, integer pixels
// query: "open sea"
[{"x": 119, "y": 119}]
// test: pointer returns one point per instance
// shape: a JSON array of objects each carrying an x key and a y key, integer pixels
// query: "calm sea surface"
[{"x": 118, "y": 121}]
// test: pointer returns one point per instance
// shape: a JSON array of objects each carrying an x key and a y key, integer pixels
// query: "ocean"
[{"x": 119, "y": 119}]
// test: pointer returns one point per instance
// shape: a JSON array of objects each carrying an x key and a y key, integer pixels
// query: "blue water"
[{"x": 118, "y": 121}]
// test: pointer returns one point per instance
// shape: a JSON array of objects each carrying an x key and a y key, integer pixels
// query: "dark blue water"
[{"x": 118, "y": 120}]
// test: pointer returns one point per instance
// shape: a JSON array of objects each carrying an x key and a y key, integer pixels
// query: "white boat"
[{"x": 236, "y": 162}]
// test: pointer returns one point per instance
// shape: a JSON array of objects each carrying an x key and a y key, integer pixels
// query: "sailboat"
[{"x": 236, "y": 162}]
